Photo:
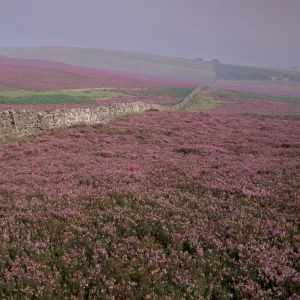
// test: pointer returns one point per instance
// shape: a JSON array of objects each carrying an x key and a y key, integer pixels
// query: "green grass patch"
[
  {"x": 202, "y": 100},
  {"x": 224, "y": 94},
  {"x": 169, "y": 104},
  {"x": 12, "y": 139},
  {"x": 164, "y": 91},
  {"x": 125, "y": 116},
  {"x": 57, "y": 97}
]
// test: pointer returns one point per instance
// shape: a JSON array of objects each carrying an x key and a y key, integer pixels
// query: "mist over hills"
[
  {"x": 193, "y": 70},
  {"x": 119, "y": 60}
]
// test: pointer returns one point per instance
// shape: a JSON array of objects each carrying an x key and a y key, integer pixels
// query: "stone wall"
[
  {"x": 183, "y": 103},
  {"x": 28, "y": 122}
]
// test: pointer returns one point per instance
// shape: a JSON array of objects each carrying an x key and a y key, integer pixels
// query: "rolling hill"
[
  {"x": 28, "y": 74},
  {"x": 73, "y": 67},
  {"x": 154, "y": 65},
  {"x": 232, "y": 72}
]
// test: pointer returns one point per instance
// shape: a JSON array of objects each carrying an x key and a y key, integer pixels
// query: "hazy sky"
[{"x": 251, "y": 32}]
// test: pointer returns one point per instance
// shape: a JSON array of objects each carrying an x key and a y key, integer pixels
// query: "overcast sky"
[{"x": 248, "y": 32}]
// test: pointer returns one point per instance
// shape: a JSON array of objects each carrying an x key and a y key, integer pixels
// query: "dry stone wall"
[
  {"x": 184, "y": 102},
  {"x": 28, "y": 122}
]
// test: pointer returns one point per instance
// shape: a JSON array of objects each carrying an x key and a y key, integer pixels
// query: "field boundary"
[
  {"x": 28, "y": 122},
  {"x": 181, "y": 105}
]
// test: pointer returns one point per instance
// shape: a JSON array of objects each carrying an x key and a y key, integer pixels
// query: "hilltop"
[
  {"x": 154, "y": 65},
  {"x": 192, "y": 70}
]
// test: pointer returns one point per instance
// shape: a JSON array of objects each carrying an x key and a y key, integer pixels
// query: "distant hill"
[
  {"x": 232, "y": 72},
  {"x": 191, "y": 70},
  {"x": 33, "y": 74},
  {"x": 154, "y": 65}
]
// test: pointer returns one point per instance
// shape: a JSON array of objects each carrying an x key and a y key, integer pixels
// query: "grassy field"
[
  {"x": 57, "y": 97},
  {"x": 202, "y": 100},
  {"x": 163, "y": 91}
]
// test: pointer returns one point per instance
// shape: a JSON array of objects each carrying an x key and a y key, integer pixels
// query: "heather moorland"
[
  {"x": 163, "y": 205},
  {"x": 149, "y": 150},
  {"x": 32, "y": 74}
]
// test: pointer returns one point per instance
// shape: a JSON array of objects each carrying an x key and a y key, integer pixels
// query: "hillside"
[
  {"x": 147, "y": 64},
  {"x": 154, "y": 65},
  {"x": 232, "y": 72},
  {"x": 61, "y": 68},
  {"x": 28, "y": 74},
  {"x": 268, "y": 89}
]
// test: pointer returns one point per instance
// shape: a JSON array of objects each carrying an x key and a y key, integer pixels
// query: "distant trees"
[
  {"x": 245, "y": 76},
  {"x": 296, "y": 68},
  {"x": 216, "y": 61},
  {"x": 257, "y": 76},
  {"x": 199, "y": 58}
]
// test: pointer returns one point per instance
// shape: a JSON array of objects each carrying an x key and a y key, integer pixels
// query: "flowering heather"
[
  {"x": 272, "y": 91},
  {"x": 238, "y": 105},
  {"x": 166, "y": 205},
  {"x": 20, "y": 74}
]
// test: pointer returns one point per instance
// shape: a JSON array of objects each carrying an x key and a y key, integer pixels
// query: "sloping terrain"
[
  {"x": 243, "y": 103},
  {"x": 26, "y": 74},
  {"x": 232, "y": 72},
  {"x": 254, "y": 104},
  {"x": 262, "y": 87},
  {"x": 162, "y": 66},
  {"x": 155, "y": 65}
]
